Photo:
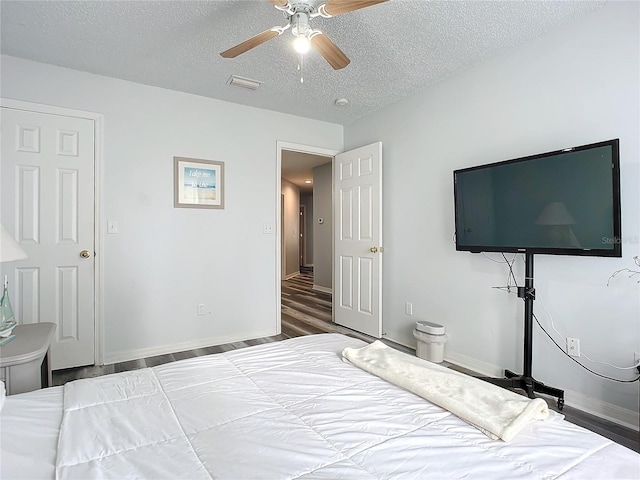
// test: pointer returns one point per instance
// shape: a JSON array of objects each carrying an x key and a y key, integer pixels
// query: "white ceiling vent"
[{"x": 243, "y": 82}]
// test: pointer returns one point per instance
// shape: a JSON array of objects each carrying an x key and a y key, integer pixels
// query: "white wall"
[
  {"x": 165, "y": 260},
  {"x": 290, "y": 230},
  {"x": 576, "y": 85},
  {"x": 322, "y": 232}
]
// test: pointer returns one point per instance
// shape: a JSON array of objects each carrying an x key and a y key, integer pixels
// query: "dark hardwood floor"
[{"x": 305, "y": 312}]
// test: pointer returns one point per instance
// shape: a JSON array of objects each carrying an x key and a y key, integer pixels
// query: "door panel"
[
  {"x": 302, "y": 247},
  {"x": 47, "y": 180},
  {"x": 358, "y": 239}
]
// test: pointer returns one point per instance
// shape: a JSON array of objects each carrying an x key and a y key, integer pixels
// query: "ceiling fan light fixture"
[
  {"x": 300, "y": 23},
  {"x": 301, "y": 44}
]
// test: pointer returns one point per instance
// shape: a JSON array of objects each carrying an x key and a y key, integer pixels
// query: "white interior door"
[
  {"x": 357, "y": 289},
  {"x": 47, "y": 203}
]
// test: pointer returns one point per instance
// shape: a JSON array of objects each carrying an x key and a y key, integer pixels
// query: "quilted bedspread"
[{"x": 295, "y": 410}]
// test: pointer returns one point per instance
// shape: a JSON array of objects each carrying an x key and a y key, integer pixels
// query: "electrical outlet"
[
  {"x": 200, "y": 309},
  {"x": 408, "y": 308},
  {"x": 573, "y": 347}
]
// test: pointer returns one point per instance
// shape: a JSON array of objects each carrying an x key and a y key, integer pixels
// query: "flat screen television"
[{"x": 565, "y": 202}]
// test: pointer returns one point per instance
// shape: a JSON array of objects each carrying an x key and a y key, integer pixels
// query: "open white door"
[
  {"x": 47, "y": 173},
  {"x": 357, "y": 277}
]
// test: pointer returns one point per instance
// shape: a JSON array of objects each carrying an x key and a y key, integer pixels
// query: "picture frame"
[{"x": 198, "y": 183}]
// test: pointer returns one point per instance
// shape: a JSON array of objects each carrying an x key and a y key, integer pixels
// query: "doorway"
[
  {"x": 302, "y": 245},
  {"x": 296, "y": 164},
  {"x": 355, "y": 179}
]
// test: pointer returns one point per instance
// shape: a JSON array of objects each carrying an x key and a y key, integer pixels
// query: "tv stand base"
[{"x": 528, "y": 384}]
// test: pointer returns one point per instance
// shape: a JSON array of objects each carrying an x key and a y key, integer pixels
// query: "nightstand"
[{"x": 24, "y": 361}]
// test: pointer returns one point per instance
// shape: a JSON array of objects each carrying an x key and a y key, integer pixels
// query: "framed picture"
[{"x": 198, "y": 183}]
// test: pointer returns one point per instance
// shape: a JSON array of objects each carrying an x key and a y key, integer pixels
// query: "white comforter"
[{"x": 295, "y": 410}]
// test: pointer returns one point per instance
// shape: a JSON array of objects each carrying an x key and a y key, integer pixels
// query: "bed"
[{"x": 293, "y": 409}]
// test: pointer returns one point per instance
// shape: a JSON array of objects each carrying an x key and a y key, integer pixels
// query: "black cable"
[
  {"x": 582, "y": 365},
  {"x": 515, "y": 282},
  {"x": 510, "y": 264}
]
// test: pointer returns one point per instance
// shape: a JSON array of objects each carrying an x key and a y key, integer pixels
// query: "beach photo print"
[{"x": 198, "y": 183}]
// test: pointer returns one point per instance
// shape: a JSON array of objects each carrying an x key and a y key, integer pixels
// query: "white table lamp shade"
[{"x": 10, "y": 250}]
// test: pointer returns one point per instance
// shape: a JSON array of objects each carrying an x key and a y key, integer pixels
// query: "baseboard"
[
  {"x": 291, "y": 275},
  {"x": 387, "y": 337},
  {"x": 470, "y": 363},
  {"x": 322, "y": 289},
  {"x": 127, "y": 355},
  {"x": 608, "y": 411},
  {"x": 605, "y": 410}
]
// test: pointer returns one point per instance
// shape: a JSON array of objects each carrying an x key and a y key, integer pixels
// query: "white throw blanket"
[{"x": 497, "y": 412}]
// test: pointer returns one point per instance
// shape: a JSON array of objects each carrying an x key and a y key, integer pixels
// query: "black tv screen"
[{"x": 565, "y": 202}]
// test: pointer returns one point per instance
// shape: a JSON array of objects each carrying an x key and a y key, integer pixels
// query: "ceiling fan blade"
[
  {"x": 338, "y": 7},
  {"x": 279, "y": 3},
  {"x": 251, "y": 43},
  {"x": 330, "y": 51}
]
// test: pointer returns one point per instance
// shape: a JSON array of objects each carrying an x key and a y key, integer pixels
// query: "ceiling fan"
[{"x": 298, "y": 13}]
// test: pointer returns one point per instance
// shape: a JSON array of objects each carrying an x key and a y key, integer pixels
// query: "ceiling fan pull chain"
[{"x": 300, "y": 67}]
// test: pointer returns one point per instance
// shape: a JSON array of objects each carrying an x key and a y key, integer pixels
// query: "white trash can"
[{"x": 431, "y": 338}]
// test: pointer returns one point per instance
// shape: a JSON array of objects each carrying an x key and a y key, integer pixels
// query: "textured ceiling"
[{"x": 396, "y": 48}]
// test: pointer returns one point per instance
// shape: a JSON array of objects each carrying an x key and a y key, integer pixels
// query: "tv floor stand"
[{"x": 526, "y": 381}]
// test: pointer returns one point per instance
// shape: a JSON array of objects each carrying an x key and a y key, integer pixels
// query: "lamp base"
[
  {"x": 5, "y": 340},
  {"x": 5, "y": 330}
]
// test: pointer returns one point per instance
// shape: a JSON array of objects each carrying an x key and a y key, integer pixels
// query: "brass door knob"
[
  {"x": 85, "y": 254},
  {"x": 373, "y": 249}
]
